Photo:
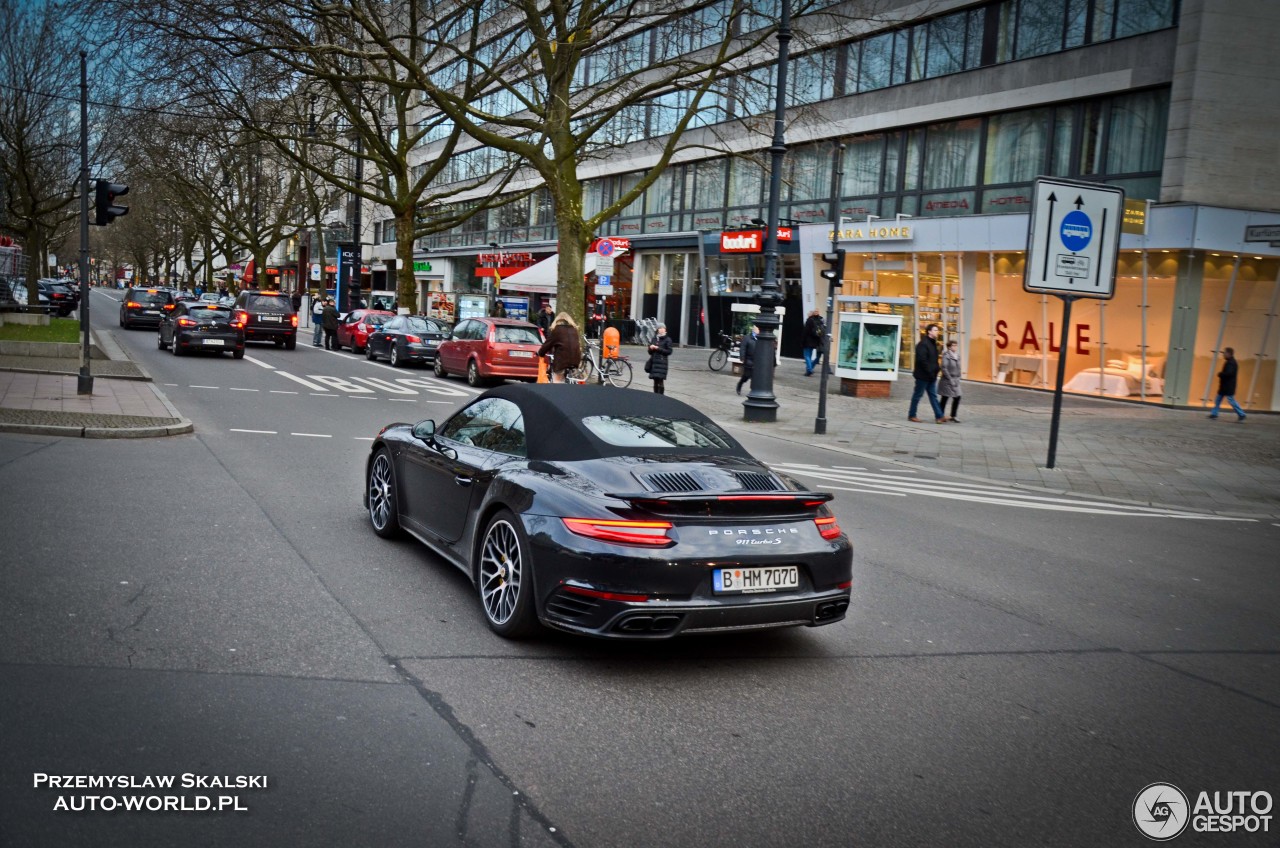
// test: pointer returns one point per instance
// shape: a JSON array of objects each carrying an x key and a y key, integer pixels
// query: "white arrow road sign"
[{"x": 1074, "y": 238}]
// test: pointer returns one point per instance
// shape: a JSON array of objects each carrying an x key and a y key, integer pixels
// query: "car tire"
[
  {"x": 438, "y": 368},
  {"x": 160, "y": 345},
  {"x": 380, "y": 495},
  {"x": 394, "y": 358},
  {"x": 474, "y": 380},
  {"x": 238, "y": 354},
  {"x": 369, "y": 354},
  {"x": 177, "y": 349},
  {"x": 504, "y": 578},
  {"x": 290, "y": 344}
]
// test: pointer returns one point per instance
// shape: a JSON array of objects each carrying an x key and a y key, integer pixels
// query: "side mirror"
[{"x": 425, "y": 431}]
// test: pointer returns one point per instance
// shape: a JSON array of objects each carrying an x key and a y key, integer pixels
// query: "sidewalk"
[
  {"x": 38, "y": 394},
  {"x": 1128, "y": 451}
]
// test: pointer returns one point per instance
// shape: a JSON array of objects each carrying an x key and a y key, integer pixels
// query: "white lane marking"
[
  {"x": 313, "y": 435},
  {"x": 445, "y": 402},
  {"x": 234, "y": 389},
  {"x": 365, "y": 397},
  {"x": 993, "y": 494},
  {"x": 436, "y": 382},
  {"x": 363, "y": 438},
  {"x": 414, "y": 400},
  {"x": 386, "y": 386},
  {"x": 202, "y": 387},
  {"x": 279, "y": 392},
  {"x": 259, "y": 363},
  {"x": 263, "y": 432},
  {"x": 169, "y": 384},
  {"x": 307, "y": 383},
  {"x": 340, "y": 383},
  {"x": 321, "y": 394}
]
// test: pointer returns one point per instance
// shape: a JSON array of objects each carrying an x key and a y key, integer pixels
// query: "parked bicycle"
[
  {"x": 720, "y": 355},
  {"x": 607, "y": 372}
]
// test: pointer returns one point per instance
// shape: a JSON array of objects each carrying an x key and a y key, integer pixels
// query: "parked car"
[
  {"x": 266, "y": 316},
  {"x": 144, "y": 307},
  {"x": 406, "y": 338},
  {"x": 62, "y": 300},
  {"x": 490, "y": 348},
  {"x": 13, "y": 295},
  {"x": 211, "y": 297},
  {"x": 622, "y": 515},
  {"x": 356, "y": 325},
  {"x": 195, "y": 325}
]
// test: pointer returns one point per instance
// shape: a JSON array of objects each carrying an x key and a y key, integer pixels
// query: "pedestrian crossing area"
[{"x": 906, "y": 483}]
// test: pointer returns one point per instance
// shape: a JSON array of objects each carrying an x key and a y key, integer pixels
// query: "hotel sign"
[{"x": 872, "y": 232}]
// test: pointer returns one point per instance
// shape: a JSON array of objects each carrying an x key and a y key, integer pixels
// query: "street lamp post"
[
  {"x": 837, "y": 180},
  {"x": 761, "y": 403}
]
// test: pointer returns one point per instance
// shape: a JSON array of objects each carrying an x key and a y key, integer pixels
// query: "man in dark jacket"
[
  {"x": 1227, "y": 384},
  {"x": 926, "y": 374},
  {"x": 748, "y": 356},
  {"x": 814, "y": 335},
  {"x": 329, "y": 320},
  {"x": 545, "y": 319}
]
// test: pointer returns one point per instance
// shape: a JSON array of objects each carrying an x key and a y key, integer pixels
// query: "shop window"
[{"x": 1236, "y": 307}]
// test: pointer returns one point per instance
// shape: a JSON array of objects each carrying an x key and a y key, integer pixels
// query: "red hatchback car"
[
  {"x": 490, "y": 348},
  {"x": 356, "y": 325}
]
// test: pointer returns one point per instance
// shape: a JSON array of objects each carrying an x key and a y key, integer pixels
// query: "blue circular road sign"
[{"x": 1076, "y": 231}]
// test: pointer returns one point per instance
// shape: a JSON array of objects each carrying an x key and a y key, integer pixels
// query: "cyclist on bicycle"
[
  {"x": 563, "y": 347},
  {"x": 659, "y": 352}
]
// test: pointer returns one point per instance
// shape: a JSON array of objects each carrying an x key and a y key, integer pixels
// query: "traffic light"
[
  {"x": 104, "y": 202},
  {"x": 835, "y": 267}
]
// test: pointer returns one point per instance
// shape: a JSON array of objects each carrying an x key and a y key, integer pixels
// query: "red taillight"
[
  {"x": 622, "y": 532},
  {"x": 413, "y": 339},
  {"x": 848, "y": 584},
  {"x": 294, "y": 320},
  {"x": 241, "y": 319},
  {"x": 186, "y": 322},
  {"x": 827, "y": 527},
  {"x": 607, "y": 596},
  {"x": 168, "y": 307},
  {"x": 132, "y": 305}
]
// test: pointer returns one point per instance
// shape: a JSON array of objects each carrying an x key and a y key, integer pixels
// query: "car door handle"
[{"x": 461, "y": 480}]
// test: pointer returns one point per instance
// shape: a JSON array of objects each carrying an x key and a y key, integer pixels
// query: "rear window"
[
  {"x": 424, "y": 325},
  {"x": 276, "y": 303},
  {"x": 210, "y": 313},
  {"x": 516, "y": 335},
  {"x": 653, "y": 432},
  {"x": 151, "y": 297}
]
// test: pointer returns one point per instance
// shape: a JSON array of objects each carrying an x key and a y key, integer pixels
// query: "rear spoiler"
[{"x": 735, "y": 502}]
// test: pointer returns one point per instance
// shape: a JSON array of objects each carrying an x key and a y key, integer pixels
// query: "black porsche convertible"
[{"x": 616, "y": 514}]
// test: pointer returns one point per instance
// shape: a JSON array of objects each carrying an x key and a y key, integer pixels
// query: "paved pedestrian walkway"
[
  {"x": 39, "y": 394},
  {"x": 1128, "y": 451}
]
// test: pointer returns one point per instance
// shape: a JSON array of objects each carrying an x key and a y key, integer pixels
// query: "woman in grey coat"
[{"x": 949, "y": 381}]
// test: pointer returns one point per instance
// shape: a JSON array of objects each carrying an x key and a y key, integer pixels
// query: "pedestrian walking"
[
  {"x": 1227, "y": 384},
  {"x": 564, "y": 345},
  {"x": 815, "y": 332},
  {"x": 926, "y": 374},
  {"x": 317, "y": 320},
  {"x": 295, "y": 299},
  {"x": 949, "y": 381},
  {"x": 329, "y": 320},
  {"x": 748, "y": 354},
  {"x": 659, "y": 353},
  {"x": 545, "y": 319}
]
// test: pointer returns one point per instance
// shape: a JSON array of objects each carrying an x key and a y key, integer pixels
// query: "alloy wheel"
[{"x": 500, "y": 572}]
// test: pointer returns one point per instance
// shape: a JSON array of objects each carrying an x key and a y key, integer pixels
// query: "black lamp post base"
[
  {"x": 760, "y": 409},
  {"x": 84, "y": 384}
]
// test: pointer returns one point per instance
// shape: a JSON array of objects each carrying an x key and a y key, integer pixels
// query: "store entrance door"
[{"x": 670, "y": 291}]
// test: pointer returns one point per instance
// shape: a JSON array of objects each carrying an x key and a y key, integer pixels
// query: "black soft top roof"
[{"x": 553, "y": 416}]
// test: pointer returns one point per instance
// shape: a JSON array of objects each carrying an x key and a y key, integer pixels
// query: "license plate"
[
  {"x": 219, "y": 342},
  {"x": 522, "y": 354},
  {"x": 151, "y": 312},
  {"x": 271, "y": 319},
  {"x": 763, "y": 579}
]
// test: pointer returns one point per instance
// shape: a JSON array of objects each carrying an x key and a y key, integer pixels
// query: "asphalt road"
[{"x": 1013, "y": 670}]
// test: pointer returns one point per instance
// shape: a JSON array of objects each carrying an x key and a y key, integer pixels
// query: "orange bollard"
[
  {"x": 542, "y": 370},
  {"x": 612, "y": 341}
]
